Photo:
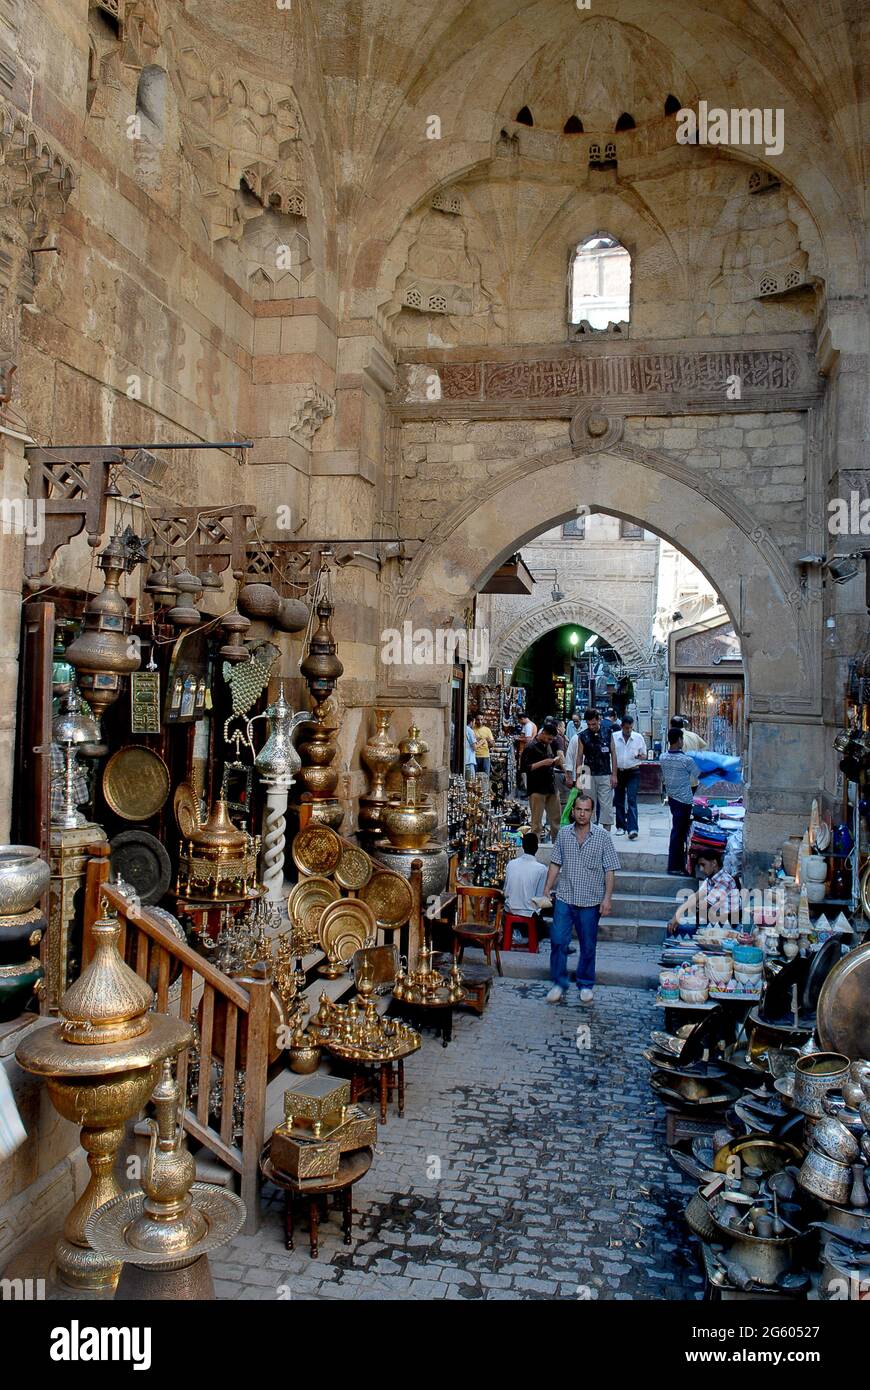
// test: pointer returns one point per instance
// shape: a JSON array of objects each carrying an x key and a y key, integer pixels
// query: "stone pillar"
[{"x": 13, "y": 520}]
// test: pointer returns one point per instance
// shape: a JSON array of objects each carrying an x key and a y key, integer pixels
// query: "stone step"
[
  {"x": 657, "y": 884},
  {"x": 648, "y": 906},
  {"x": 619, "y": 928}
]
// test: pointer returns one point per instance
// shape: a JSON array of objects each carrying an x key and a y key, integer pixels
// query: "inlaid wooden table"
[{"x": 317, "y": 1191}]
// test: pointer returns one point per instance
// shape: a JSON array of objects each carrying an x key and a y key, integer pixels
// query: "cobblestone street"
[{"x": 531, "y": 1163}]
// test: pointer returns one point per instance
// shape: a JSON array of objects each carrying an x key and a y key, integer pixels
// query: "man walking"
[
  {"x": 628, "y": 751},
  {"x": 540, "y": 761},
  {"x": 582, "y": 869},
  {"x": 679, "y": 776},
  {"x": 591, "y": 748}
]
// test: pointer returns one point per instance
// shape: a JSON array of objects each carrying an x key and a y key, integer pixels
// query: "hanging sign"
[{"x": 145, "y": 702}]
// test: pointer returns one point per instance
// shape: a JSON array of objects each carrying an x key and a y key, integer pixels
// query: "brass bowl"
[
  {"x": 757, "y": 1151},
  {"x": 100, "y": 1102},
  {"x": 304, "y": 1059}
]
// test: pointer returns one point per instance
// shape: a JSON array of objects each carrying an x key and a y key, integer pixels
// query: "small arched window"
[
  {"x": 524, "y": 116},
  {"x": 600, "y": 282},
  {"x": 672, "y": 105},
  {"x": 151, "y": 102},
  {"x": 573, "y": 126},
  {"x": 625, "y": 122}
]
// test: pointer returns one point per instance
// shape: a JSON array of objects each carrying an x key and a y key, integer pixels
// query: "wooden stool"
[
  {"x": 352, "y": 1167},
  {"x": 381, "y": 1081},
  {"x": 529, "y": 924}
]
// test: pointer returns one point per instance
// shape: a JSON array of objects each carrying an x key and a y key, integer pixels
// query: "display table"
[
  {"x": 438, "y": 1012},
  {"x": 315, "y": 1191},
  {"x": 383, "y": 1078}
]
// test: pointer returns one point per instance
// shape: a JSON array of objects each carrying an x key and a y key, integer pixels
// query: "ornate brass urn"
[
  {"x": 100, "y": 1063},
  {"x": 380, "y": 754},
  {"x": 409, "y": 822},
  {"x": 219, "y": 861},
  {"x": 103, "y": 654}
]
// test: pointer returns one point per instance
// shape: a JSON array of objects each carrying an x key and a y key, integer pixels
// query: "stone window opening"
[
  {"x": 573, "y": 126},
  {"x": 151, "y": 103},
  {"x": 524, "y": 116},
  {"x": 625, "y": 122},
  {"x": 672, "y": 104},
  {"x": 600, "y": 284}
]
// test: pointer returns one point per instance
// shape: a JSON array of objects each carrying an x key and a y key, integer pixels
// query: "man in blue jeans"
[{"x": 582, "y": 870}]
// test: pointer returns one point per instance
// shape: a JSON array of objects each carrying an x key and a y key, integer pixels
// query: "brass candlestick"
[{"x": 100, "y": 1063}]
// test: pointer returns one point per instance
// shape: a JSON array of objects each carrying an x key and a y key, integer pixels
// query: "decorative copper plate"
[
  {"x": 316, "y": 850},
  {"x": 306, "y": 902},
  {"x": 842, "y": 1016},
  {"x": 390, "y": 898},
  {"x": 345, "y": 927},
  {"x": 185, "y": 805},
  {"x": 135, "y": 782},
  {"x": 354, "y": 868}
]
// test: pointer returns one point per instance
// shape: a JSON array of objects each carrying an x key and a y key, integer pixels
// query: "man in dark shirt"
[
  {"x": 592, "y": 750},
  {"x": 540, "y": 760}
]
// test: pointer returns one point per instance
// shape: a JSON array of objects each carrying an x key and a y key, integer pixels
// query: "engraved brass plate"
[
  {"x": 354, "y": 868},
  {"x": 316, "y": 850},
  {"x": 390, "y": 898},
  {"x": 135, "y": 783}
]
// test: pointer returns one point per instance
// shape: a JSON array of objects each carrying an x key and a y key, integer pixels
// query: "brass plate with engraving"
[{"x": 135, "y": 782}]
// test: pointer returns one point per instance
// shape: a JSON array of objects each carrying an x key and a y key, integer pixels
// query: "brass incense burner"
[
  {"x": 218, "y": 862},
  {"x": 410, "y": 821},
  {"x": 100, "y": 1063}
]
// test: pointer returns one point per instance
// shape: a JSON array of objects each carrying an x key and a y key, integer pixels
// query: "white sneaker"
[
  {"x": 586, "y": 996},
  {"x": 556, "y": 995}
]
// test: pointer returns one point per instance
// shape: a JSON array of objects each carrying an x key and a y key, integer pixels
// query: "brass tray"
[
  {"x": 306, "y": 902},
  {"x": 354, "y": 868},
  {"x": 185, "y": 805},
  {"x": 390, "y": 898},
  {"x": 346, "y": 926},
  {"x": 140, "y": 860},
  {"x": 135, "y": 782},
  {"x": 316, "y": 850},
  {"x": 842, "y": 1016}
]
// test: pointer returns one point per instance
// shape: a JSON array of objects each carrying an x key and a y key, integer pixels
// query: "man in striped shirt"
[{"x": 582, "y": 869}]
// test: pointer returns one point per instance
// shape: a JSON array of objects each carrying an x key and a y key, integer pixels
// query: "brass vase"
[
  {"x": 317, "y": 774},
  {"x": 100, "y": 1063},
  {"x": 380, "y": 754}
]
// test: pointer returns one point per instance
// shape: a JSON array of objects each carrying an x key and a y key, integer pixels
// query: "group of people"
[
  {"x": 581, "y": 873},
  {"x": 606, "y": 756}
]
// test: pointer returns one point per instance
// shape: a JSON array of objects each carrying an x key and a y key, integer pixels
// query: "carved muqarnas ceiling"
[
  {"x": 441, "y": 283},
  {"x": 239, "y": 137}
]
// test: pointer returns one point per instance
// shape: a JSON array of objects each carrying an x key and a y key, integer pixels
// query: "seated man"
[
  {"x": 716, "y": 901},
  {"x": 523, "y": 880}
]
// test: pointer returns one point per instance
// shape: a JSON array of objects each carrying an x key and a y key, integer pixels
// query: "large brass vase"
[
  {"x": 100, "y": 1063},
  {"x": 380, "y": 754}
]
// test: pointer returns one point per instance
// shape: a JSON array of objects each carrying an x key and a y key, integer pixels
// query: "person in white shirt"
[
  {"x": 470, "y": 753},
  {"x": 628, "y": 751},
  {"x": 524, "y": 880}
]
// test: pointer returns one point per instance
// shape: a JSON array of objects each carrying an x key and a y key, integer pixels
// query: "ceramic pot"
[
  {"x": 815, "y": 869},
  {"x": 815, "y": 892}
]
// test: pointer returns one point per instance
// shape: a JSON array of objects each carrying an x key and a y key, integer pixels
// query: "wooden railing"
[{"x": 150, "y": 948}]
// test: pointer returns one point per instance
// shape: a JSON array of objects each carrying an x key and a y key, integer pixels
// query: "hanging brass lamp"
[{"x": 103, "y": 653}]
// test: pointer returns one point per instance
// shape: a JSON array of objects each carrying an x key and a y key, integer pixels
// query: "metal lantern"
[{"x": 104, "y": 653}]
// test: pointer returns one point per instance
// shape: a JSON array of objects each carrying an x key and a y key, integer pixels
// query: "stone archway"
[
  {"x": 778, "y": 629},
  {"x": 534, "y": 624}
]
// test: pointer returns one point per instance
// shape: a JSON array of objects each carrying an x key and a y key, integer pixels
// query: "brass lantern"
[
  {"x": 103, "y": 653},
  {"x": 321, "y": 667}
]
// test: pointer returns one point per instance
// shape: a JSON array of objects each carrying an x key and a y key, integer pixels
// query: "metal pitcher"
[{"x": 278, "y": 760}]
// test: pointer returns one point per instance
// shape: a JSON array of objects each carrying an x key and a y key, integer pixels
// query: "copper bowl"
[{"x": 815, "y": 1075}]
